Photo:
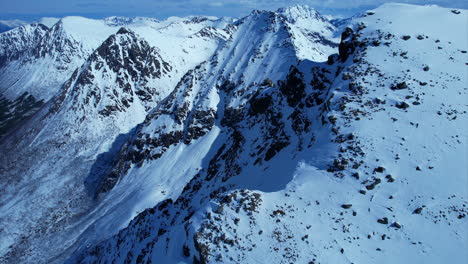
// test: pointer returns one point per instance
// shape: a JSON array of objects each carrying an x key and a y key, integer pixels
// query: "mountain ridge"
[{"x": 261, "y": 138}]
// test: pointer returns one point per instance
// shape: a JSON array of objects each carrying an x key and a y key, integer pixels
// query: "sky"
[{"x": 33, "y": 9}]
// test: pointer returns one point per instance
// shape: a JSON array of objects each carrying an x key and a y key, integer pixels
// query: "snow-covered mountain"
[
  {"x": 123, "y": 77},
  {"x": 6, "y": 25},
  {"x": 215, "y": 140}
]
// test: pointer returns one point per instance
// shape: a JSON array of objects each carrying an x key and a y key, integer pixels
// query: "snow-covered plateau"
[{"x": 279, "y": 137}]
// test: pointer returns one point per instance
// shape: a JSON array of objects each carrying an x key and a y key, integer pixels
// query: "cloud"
[
  {"x": 216, "y": 4},
  {"x": 92, "y": 5}
]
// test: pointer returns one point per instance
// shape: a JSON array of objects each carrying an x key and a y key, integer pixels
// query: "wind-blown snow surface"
[{"x": 219, "y": 141}]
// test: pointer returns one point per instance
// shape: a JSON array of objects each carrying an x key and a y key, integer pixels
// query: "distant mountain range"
[{"x": 6, "y": 25}]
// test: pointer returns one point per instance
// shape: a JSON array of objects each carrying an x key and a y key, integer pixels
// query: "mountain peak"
[
  {"x": 297, "y": 12},
  {"x": 295, "y": 8},
  {"x": 124, "y": 30},
  {"x": 48, "y": 21}
]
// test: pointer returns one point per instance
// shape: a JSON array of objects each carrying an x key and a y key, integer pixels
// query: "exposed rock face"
[
  {"x": 347, "y": 45},
  {"x": 28, "y": 55},
  {"x": 132, "y": 62},
  {"x": 17, "y": 42},
  {"x": 13, "y": 113}
]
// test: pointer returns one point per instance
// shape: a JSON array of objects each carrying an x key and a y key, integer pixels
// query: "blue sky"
[{"x": 33, "y": 9}]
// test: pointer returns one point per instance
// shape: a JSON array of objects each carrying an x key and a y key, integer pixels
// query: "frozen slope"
[{"x": 358, "y": 160}]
